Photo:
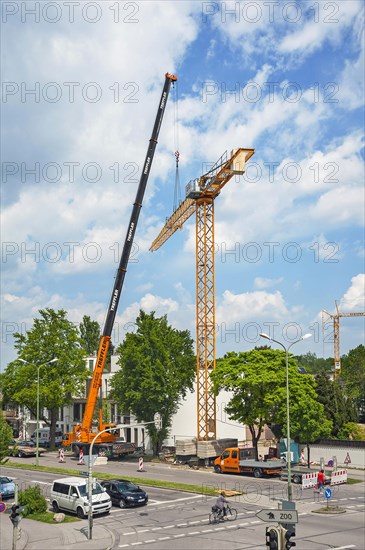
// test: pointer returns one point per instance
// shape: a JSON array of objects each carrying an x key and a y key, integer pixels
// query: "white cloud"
[
  {"x": 128, "y": 62},
  {"x": 264, "y": 282},
  {"x": 252, "y": 306},
  {"x": 354, "y": 298}
]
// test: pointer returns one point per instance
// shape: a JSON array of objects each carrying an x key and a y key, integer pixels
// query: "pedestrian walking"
[{"x": 321, "y": 478}]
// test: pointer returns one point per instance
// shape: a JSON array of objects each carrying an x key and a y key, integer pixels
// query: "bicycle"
[{"x": 216, "y": 514}]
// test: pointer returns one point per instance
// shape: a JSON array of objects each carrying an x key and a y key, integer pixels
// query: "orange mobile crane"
[
  {"x": 200, "y": 196},
  {"x": 82, "y": 435}
]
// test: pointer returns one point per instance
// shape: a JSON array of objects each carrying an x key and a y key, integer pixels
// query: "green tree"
[
  {"x": 6, "y": 436},
  {"x": 157, "y": 368},
  {"x": 52, "y": 336},
  {"x": 353, "y": 375},
  {"x": 352, "y": 431},
  {"x": 314, "y": 364},
  {"x": 257, "y": 380},
  {"x": 90, "y": 338},
  {"x": 89, "y": 335},
  {"x": 338, "y": 407},
  {"x": 308, "y": 421}
]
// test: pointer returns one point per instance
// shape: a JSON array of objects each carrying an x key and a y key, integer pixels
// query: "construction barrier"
[
  {"x": 309, "y": 480},
  {"x": 61, "y": 456},
  {"x": 81, "y": 457},
  {"x": 140, "y": 465},
  {"x": 340, "y": 476}
]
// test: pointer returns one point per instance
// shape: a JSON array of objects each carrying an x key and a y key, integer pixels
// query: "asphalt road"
[{"x": 179, "y": 520}]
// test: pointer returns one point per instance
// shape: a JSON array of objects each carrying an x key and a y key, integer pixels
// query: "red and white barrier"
[
  {"x": 61, "y": 456},
  {"x": 140, "y": 464},
  {"x": 81, "y": 457},
  {"x": 339, "y": 476},
  {"x": 309, "y": 480}
]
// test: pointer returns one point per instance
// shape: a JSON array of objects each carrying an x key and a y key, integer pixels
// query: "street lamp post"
[
  {"x": 308, "y": 335},
  {"x": 37, "y": 429},
  {"x": 158, "y": 424}
]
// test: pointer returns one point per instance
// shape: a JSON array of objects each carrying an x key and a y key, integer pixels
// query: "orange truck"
[{"x": 236, "y": 460}]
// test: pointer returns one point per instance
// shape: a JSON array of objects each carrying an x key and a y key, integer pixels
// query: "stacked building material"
[
  {"x": 208, "y": 449},
  {"x": 186, "y": 447}
]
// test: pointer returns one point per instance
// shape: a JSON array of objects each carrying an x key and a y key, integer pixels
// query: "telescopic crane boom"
[{"x": 83, "y": 432}]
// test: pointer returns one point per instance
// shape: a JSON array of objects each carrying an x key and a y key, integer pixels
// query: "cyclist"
[{"x": 221, "y": 501}]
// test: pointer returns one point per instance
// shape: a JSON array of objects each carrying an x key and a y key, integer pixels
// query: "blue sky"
[{"x": 81, "y": 83}]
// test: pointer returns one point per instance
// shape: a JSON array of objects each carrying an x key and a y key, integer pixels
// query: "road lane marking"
[{"x": 174, "y": 500}]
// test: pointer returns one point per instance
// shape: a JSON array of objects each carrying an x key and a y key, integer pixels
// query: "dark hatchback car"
[{"x": 124, "y": 493}]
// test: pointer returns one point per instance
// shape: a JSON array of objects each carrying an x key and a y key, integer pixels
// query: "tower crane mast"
[
  {"x": 336, "y": 332},
  {"x": 200, "y": 195}
]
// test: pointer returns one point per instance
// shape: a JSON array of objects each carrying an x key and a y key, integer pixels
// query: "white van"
[
  {"x": 71, "y": 495},
  {"x": 44, "y": 437}
]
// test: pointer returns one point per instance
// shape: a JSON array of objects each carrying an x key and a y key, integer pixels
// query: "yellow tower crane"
[
  {"x": 336, "y": 332},
  {"x": 200, "y": 196}
]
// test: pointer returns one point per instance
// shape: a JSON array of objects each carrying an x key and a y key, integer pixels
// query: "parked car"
[
  {"x": 124, "y": 493},
  {"x": 7, "y": 487},
  {"x": 25, "y": 448},
  {"x": 71, "y": 495}
]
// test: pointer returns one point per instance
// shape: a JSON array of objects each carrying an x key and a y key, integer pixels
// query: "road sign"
[
  {"x": 347, "y": 459},
  {"x": 327, "y": 493},
  {"x": 280, "y": 516},
  {"x": 2, "y": 507}
]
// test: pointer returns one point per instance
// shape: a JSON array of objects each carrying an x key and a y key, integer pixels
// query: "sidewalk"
[{"x": 45, "y": 536}]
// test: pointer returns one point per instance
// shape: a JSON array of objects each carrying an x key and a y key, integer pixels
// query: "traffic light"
[
  {"x": 289, "y": 533},
  {"x": 273, "y": 538},
  {"x": 15, "y": 515}
]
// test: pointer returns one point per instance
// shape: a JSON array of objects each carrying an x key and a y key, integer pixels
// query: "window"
[
  {"x": 61, "y": 488},
  {"x": 225, "y": 455},
  {"x": 234, "y": 454}
]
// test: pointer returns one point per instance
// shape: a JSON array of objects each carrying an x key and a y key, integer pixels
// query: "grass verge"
[
  {"x": 330, "y": 510},
  {"x": 200, "y": 489},
  {"x": 352, "y": 481},
  {"x": 47, "y": 517}
]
